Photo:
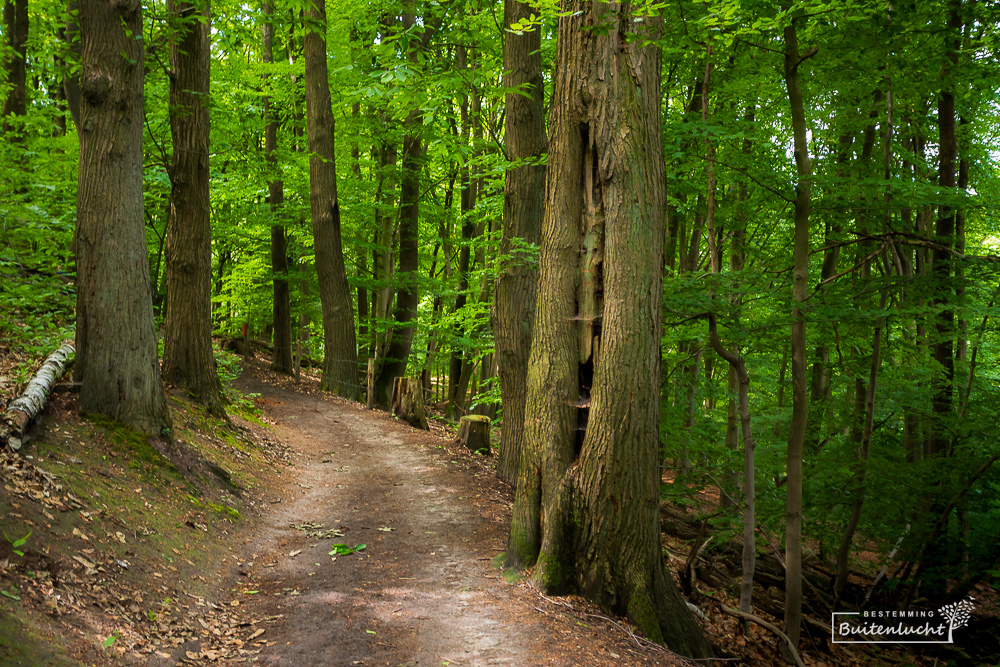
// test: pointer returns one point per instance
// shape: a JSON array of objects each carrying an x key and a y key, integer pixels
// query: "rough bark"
[
  {"x": 15, "y": 28},
  {"x": 408, "y": 402},
  {"x": 281, "y": 309},
  {"x": 474, "y": 432},
  {"x": 188, "y": 359},
  {"x": 115, "y": 341},
  {"x": 800, "y": 393},
  {"x": 340, "y": 356},
  {"x": 590, "y": 463}
]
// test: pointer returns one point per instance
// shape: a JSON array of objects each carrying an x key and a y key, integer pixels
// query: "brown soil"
[{"x": 424, "y": 590}]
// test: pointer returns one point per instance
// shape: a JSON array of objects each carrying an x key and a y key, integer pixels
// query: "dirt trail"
[{"x": 424, "y": 591}]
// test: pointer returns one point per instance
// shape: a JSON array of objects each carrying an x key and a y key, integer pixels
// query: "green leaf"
[{"x": 341, "y": 549}]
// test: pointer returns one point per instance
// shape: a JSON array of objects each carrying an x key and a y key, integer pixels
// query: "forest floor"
[
  {"x": 220, "y": 548},
  {"x": 216, "y": 549}
]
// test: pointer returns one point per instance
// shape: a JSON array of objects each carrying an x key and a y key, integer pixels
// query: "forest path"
[{"x": 424, "y": 591}]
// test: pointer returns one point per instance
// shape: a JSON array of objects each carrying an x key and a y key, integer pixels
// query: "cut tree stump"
[
  {"x": 474, "y": 432},
  {"x": 408, "y": 402},
  {"x": 26, "y": 407}
]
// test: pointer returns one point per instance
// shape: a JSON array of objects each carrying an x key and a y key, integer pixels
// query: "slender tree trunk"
[
  {"x": 407, "y": 296},
  {"x": 188, "y": 359},
  {"x": 281, "y": 308},
  {"x": 941, "y": 404},
  {"x": 340, "y": 356},
  {"x": 590, "y": 456},
  {"x": 864, "y": 443},
  {"x": 115, "y": 340},
  {"x": 15, "y": 29},
  {"x": 738, "y": 374},
  {"x": 458, "y": 366},
  {"x": 800, "y": 392}
]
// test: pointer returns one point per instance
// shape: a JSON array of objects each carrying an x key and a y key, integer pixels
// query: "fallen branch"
[
  {"x": 767, "y": 626},
  {"x": 26, "y": 407}
]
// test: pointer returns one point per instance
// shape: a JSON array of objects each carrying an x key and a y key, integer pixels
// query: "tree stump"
[
  {"x": 408, "y": 402},
  {"x": 474, "y": 431}
]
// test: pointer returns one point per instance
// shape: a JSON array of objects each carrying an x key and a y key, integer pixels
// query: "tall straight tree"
[
  {"x": 800, "y": 393},
  {"x": 188, "y": 360},
  {"x": 340, "y": 355},
  {"x": 942, "y": 403},
  {"x": 587, "y": 504},
  {"x": 15, "y": 27},
  {"x": 407, "y": 295},
  {"x": 523, "y": 205},
  {"x": 281, "y": 309},
  {"x": 116, "y": 360}
]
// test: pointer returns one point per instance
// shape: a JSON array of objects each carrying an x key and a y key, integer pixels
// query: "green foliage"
[
  {"x": 16, "y": 545},
  {"x": 341, "y": 549}
]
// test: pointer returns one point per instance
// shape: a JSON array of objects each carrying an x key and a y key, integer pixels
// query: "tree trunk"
[
  {"x": 595, "y": 354},
  {"x": 15, "y": 28},
  {"x": 941, "y": 404},
  {"x": 116, "y": 360},
  {"x": 340, "y": 356},
  {"x": 281, "y": 309},
  {"x": 800, "y": 394},
  {"x": 408, "y": 402},
  {"x": 474, "y": 432},
  {"x": 862, "y": 465},
  {"x": 71, "y": 84},
  {"x": 407, "y": 296},
  {"x": 188, "y": 359}
]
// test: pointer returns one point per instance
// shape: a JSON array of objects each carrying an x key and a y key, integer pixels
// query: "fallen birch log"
[{"x": 26, "y": 407}]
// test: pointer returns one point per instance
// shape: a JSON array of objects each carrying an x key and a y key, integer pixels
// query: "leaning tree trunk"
[
  {"x": 188, "y": 359},
  {"x": 590, "y": 464},
  {"x": 115, "y": 340},
  {"x": 281, "y": 309},
  {"x": 524, "y": 202},
  {"x": 800, "y": 394},
  {"x": 340, "y": 355}
]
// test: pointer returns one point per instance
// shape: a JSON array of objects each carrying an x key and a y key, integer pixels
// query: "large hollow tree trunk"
[
  {"x": 524, "y": 202},
  {"x": 800, "y": 390},
  {"x": 115, "y": 340},
  {"x": 15, "y": 28},
  {"x": 586, "y": 504},
  {"x": 188, "y": 359},
  {"x": 281, "y": 309},
  {"x": 340, "y": 355}
]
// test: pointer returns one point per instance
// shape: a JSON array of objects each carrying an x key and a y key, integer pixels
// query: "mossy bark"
[
  {"x": 116, "y": 360},
  {"x": 586, "y": 509}
]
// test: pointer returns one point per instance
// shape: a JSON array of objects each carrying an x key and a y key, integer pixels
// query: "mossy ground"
[{"x": 158, "y": 516}]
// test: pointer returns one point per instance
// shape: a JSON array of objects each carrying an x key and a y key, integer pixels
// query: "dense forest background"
[{"x": 830, "y": 249}]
